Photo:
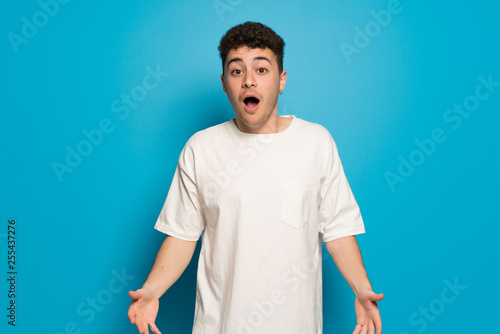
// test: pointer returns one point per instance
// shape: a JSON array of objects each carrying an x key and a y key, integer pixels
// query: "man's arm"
[
  {"x": 170, "y": 262},
  {"x": 347, "y": 256},
  {"x": 172, "y": 259}
]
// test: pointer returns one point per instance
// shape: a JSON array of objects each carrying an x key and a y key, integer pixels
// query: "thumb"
[
  {"x": 376, "y": 297},
  {"x": 136, "y": 294}
]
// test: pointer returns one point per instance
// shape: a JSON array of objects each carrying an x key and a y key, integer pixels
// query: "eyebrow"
[{"x": 241, "y": 60}]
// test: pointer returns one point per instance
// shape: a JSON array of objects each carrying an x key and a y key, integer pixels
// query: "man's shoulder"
[
  {"x": 315, "y": 130},
  {"x": 207, "y": 135}
]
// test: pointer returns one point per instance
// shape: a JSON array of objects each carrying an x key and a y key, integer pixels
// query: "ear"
[
  {"x": 282, "y": 80},
  {"x": 223, "y": 83}
]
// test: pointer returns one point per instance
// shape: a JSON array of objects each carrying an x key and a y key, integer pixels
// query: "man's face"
[{"x": 252, "y": 83}]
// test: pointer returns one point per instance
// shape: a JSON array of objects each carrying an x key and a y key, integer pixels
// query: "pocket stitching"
[{"x": 291, "y": 187}]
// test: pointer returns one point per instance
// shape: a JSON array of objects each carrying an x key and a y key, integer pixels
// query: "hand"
[
  {"x": 367, "y": 312},
  {"x": 143, "y": 310}
]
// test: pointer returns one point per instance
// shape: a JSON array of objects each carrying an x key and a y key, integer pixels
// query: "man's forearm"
[
  {"x": 172, "y": 259},
  {"x": 347, "y": 256}
]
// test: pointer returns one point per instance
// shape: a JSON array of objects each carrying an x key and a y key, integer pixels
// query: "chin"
[{"x": 252, "y": 120}]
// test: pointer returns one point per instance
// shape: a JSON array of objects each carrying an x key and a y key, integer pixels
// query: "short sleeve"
[
  {"x": 339, "y": 214},
  {"x": 182, "y": 215}
]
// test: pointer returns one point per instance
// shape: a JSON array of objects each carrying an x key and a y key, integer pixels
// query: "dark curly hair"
[{"x": 252, "y": 35}]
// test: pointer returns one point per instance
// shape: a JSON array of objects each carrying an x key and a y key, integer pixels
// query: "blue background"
[{"x": 76, "y": 232}]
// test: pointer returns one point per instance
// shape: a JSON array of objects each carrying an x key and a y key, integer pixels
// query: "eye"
[
  {"x": 262, "y": 70},
  {"x": 236, "y": 72}
]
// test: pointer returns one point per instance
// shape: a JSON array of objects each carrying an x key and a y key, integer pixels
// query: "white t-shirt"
[{"x": 265, "y": 203}]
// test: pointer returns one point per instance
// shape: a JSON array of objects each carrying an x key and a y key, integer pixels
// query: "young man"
[{"x": 266, "y": 191}]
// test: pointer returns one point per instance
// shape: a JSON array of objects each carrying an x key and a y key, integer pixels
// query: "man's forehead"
[{"x": 246, "y": 53}]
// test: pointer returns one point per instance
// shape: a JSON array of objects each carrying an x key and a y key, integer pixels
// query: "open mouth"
[{"x": 251, "y": 102}]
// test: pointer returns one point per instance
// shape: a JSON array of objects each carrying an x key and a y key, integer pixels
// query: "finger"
[
  {"x": 132, "y": 315},
  {"x": 376, "y": 297},
  {"x": 371, "y": 328},
  {"x": 154, "y": 328},
  {"x": 142, "y": 326},
  {"x": 136, "y": 294},
  {"x": 378, "y": 326},
  {"x": 356, "y": 329},
  {"x": 364, "y": 329},
  {"x": 139, "y": 328}
]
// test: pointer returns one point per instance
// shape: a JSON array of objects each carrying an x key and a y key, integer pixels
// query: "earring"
[{"x": 281, "y": 92}]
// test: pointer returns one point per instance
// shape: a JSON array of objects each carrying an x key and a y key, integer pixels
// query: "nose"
[{"x": 249, "y": 80}]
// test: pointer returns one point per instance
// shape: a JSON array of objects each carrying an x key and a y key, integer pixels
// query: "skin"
[
  {"x": 253, "y": 71},
  {"x": 346, "y": 254},
  {"x": 170, "y": 262}
]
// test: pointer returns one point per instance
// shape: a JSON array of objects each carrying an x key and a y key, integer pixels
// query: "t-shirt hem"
[
  {"x": 165, "y": 229},
  {"x": 345, "y": 233}
]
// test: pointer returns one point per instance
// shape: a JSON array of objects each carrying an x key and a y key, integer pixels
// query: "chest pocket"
[{"x": 295, "y": 203}]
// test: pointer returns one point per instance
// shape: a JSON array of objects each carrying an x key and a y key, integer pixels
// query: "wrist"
[
  {"x": 151, "y": 290},
  {"x": 362, "y": 287}
]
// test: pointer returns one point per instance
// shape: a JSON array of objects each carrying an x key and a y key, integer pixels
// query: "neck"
[{"x": 273, "y": 124}]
